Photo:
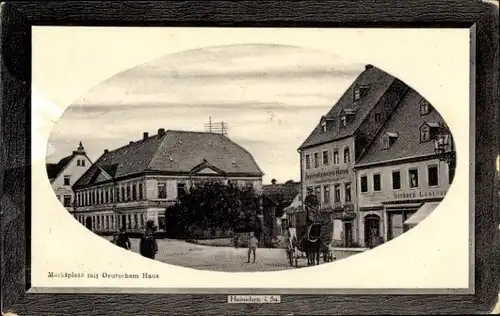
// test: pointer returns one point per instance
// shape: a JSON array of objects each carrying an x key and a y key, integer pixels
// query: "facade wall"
[
  {"x": 70, "y": 174},
  {"x": 131, "y": 203},
  {"x": 375, "y": 202},
  {"x": 327, "y": 179}
]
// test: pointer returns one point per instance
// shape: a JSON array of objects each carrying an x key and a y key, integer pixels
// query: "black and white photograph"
[
  {"x": 250, "y": 151},
  {"x": 249, "y": 158},
  {"x": 234, "y": 178}
]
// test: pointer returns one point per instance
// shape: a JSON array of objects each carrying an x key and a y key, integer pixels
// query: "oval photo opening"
[{"x": 251, "y": 158}]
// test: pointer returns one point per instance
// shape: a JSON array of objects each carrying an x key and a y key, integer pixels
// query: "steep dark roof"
[
  {"x": 378, "y": 82},
  {"x": 406, "y": 122},
  {"x": 174, "y": 152},
  {"x": 53, "y": 169},
  {"x": 281, "y": 194}
]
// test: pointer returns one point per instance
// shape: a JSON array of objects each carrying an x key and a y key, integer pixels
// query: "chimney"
[
  {"x": 145, "y": 135},
  {"x": 369, "y": 66},
  {"x": 106, "y": 151},
  {"x": 161, "y": 131}
]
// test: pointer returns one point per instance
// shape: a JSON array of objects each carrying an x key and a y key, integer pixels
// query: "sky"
[{"x": 270, "y": 96}]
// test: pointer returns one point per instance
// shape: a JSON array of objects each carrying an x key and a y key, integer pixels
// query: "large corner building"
[
  {"x": 340, "y": 138},
  {"x": 128, "y": 186}
]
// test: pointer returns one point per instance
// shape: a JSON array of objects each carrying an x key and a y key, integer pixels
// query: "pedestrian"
[
  {"x": 236, "y": 240},
  {"x": 123, "y": 240},
  {"x": 148, "y": 246},
  {"x": 252, "y": 246},
  {"x": 115, "y": 239}
]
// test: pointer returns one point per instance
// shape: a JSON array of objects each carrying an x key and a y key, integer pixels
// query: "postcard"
[{"x": 274, "y": 160}]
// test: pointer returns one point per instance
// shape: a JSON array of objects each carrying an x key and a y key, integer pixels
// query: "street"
[{"x": 227, "y": 259}]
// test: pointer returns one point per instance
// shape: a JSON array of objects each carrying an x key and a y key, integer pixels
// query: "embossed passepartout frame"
[{"x": 16, "y": 22}]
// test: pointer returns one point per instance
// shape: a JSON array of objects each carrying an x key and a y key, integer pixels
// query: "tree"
[{"x": 212, "y": 206}]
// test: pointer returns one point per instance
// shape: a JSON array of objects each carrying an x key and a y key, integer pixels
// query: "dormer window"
[
  {"x": 323, "y": 124},
  {"x": 346, "y": 116},
  {"x": 425, "y": 107},
  {"x": 343, "y": 120},
  {"x": 388, "y": 139},
  {"x": 428, "y": 131},
  {"x": 357, "y": 93}
]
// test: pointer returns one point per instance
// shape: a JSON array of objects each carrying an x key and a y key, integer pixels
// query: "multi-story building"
[
  {"x": 135, "y": 183},
  {"x": 65, "y": 173},
  {"x": 400, "y": 178},
  {"x": 342, "y": 135}
]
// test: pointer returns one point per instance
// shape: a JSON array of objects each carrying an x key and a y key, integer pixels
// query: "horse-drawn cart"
[{"x": 310, "y": 234}]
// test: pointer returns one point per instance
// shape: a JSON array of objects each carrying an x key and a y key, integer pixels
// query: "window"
[
  {"x": 425, "y": 107},
  {"x": 432, "y": 176},
  {"x": 136, "y": 222},
  {"x": 102, "y": 196},
  {"x": 413, "y": 178},
  {"x": 326, "y": 194},
  {"x": 347, "y": 155},
  {"x": 343, "y": 121},
  {"x": 106, "y": 197},
  {"x": 336, "y": 159},
  {"x": 67, "y": 180},
  {"x": 83, "y": 163},
  {"x": 140, "y": 192},
  {"x": 123, "y": 194},
  {"x": 142, "y": 220},
  {"x": 181, "y": 189},
  {"x": 67, "y": 201},
  {"x": 425, "y": 134},
  {"x": 134, "y": 192},
  {"x": 323, "y": 125},
  {"x": 308, "y": 162},
  {"x": 337, "y": 193},
  {"x": 385, "y": 142},
  {"x": 112, "y": 195},
  {"x": 348, "y": 197},
  {"x": 364, "y": 184},
  {"x": 162, "y": 190},
  {"x": 129, "y": 224},
  {"x": 78, "y": 163},
  {"x": 107, "y": 221},
  {"x": 316, "y": 160},
  {"x": 357, "y": 93},
  {"x": 396, "y": 180},
  {"x": 128, "y": 193},
  {"x": 325, "y": 158},
  {"x": 376, "y": 183},
  {"x": 117, "y": 194}
]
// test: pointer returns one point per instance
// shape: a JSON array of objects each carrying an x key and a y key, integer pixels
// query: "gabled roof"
[
  {"x": 54, "y": 169},
  {"x": 181, "y": 152},
  {"x": 406, "y": 122},
  {"x": 378, "y": 82},
  {"x": 281, "y": 194}
]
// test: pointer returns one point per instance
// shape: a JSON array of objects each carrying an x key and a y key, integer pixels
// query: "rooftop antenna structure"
[{"x": 218, "y": 128}]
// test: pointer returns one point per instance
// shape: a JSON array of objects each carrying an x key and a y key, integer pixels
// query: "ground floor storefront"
[
  {"x": 132, "y": 220},
  {"x": 390, "y": 220}
]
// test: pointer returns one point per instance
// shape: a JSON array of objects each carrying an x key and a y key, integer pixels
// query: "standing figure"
[
  {"x": 252, "y": 246},
  {"x": 123, "y": 240},
  {"x": 115, "y": 239},
  {"x": 148, "y": 246}
]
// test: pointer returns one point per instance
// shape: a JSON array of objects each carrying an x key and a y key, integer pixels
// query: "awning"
[{"x": 422, "y": 213}]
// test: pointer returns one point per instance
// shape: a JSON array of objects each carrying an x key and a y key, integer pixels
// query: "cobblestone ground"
[{"x": 226, "y": 259}]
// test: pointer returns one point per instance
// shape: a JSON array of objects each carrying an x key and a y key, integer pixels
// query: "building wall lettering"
[
  {"x": 418, "y": 194},
  {"x": 332, "y": 175}
]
